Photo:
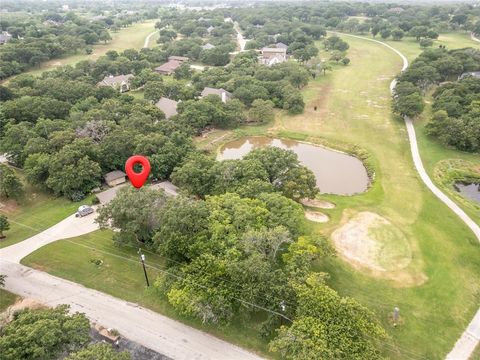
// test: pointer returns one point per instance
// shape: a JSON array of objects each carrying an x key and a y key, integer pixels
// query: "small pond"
[
  {"x": 336, "y": 172},
  {"x": 470, "y": 191}
]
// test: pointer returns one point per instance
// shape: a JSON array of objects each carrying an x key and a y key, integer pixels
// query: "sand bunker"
[
  {"x": 317, "y": 203},
  {"x": 373, "y": 242},
  {"x": 316, "y": 216}
]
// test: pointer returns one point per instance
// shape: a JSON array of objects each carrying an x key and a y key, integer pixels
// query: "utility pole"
[{"x": 142, "y": 259}]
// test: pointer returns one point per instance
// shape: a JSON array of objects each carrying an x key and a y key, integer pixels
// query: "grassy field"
[
  {"x": 127, "y": 38},
  {"x": 121, "y": 266},
  {"x": 354, "y": 107},
  {"x": 36, "y": 211},
  {"x": 6, "y": 299}
]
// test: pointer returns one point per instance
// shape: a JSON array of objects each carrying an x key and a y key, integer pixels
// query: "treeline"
[
  {"x": 270, "y": 23},
  {"x": 66, "y": 132},
  {"x": 196, "y": 30},
  {"x": 456, "y": 120}
]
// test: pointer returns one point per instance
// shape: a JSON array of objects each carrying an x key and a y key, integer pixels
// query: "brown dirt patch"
[
  {"x": 372, "y": 244},
  {"x": 8, "y": 206},
  {"x": 21, "y": 304},
  {"x": 317, "y": 203},
  {"x": 316, "y": 216}
]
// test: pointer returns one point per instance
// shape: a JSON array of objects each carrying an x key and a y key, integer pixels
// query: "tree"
[
  {"x": 4, "y": 225},
  {"x": 133, "y": 212},
  {"x": 261, "y": 111},
  {"x": 43, "y": 334},
  {"x": 327, "y": 326},
  {"x": 424, "y": 43},
  {"x": 345, "y": 61},
  {"x": 99, "y": 352},
  {"x": 10, "y": 184},
  {"x": 36, "y": 168},
  {"x": 385, "y": 33},
  {"x": 154, "y": 90},
  {"x": 183, "y": 72},
  {"x": 194, "y": 175},
  {"x": 397, "y": 34},
  {"x": 409, "y": 105},
  {"x": 104, "y": 36}
]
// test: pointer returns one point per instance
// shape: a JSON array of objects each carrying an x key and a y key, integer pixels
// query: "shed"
[{"x": 115, "y": 178}]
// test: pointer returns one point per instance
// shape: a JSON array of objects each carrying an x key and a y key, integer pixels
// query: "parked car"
[{"x": 84, "y": 210}]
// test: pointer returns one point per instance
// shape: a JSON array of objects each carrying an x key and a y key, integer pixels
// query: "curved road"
[{"x": 470, "y": 338}]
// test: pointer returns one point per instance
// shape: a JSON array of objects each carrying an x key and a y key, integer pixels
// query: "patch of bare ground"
[
  {"x": 8, "y": 206},
  {"x": 317, "y": 203},
  {"x": 373, "y": 245},
  {"x": 21, "y": 304},
  {"x": 316, "y": 216}
]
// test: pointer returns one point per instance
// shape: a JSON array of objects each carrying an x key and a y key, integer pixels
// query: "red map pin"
[{"x": 137, "y": 179}]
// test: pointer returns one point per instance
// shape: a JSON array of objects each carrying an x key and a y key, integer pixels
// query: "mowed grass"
[
  {"x": 354, "y": 107},
  {"x": 132, "y": 37},
  {"x": 6, "y": 299},
  {"x": 121, "y": 275},
  {"x": 35, "y": 212}
]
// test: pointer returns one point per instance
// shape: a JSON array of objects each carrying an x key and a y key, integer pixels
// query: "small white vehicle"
[{"x": 84, "y": 210}]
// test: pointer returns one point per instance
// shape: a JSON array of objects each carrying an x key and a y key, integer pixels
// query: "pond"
[
  {"x": 470, "y": 191},
  {"x": 336, "y": 173}
]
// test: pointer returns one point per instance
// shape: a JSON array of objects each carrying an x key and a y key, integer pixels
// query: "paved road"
[
  {"x": 147, "y": 39},
  {"x": 67, "y": 228},
  {"x": 470, "y": 338},
  {"x": 152, "y": 330}
]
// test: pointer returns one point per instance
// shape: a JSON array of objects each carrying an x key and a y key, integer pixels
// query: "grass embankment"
[
  {"x": 35, "y": 212},
  {"x": 6, "y": 299},
  {"x": 354, "y": 107},
  {"x": 132, "y": 37},
  {"x": 121, "y": 275}
]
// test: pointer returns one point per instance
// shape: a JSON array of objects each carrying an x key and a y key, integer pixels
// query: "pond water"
[
  {"x": 336, "y": 172},
  {"x": 470, "y": 191}
]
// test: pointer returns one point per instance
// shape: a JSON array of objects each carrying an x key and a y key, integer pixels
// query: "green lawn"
[
  {"x": 127, "y": 38},
  {"x": 36, "y": 212},
  {"x": 72, "y": 259},
  {"x": 6, "y": 299},
  {"x": 354, "y": 108}
]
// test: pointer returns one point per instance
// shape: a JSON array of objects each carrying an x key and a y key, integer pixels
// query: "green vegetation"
[
  {"x": 354, "y": 104},
  {"x": 121, "y": 265},
  {"x": 35, "y": 212},
  {"x": 6, "y": 299}
]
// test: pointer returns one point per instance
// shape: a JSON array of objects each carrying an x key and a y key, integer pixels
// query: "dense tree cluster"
[
  {"x": 456, "y": 117},
  {"x": 230, "y": 256},
  {"x": 52, "y": 334},
  {"x": 263, "y": 170},
  {"x": 431, "y": 67},
  {"x": 36, "y": 40},
  {"x": 66, "y": 132},
  {"x": 196, "y": 31}
]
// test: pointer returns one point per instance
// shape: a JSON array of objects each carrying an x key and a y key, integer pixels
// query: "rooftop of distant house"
[
  {"x": 220, "y": 92},
  {"x": 274, "y": 50},
  {"x": 168, "y": 106},
  {"x": 475, "y": 74},
  {"x": 113, "y": 80}
]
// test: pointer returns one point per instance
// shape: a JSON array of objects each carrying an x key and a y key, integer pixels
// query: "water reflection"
[{"x": 470, "y": 191}]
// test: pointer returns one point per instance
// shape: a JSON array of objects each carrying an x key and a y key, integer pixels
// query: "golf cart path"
[
  {"x": 473, "y": 37},
  {"x": 147, "y": 39},
  {"x": 157, "y": 332},
  {"x": 467, "y": 343}
]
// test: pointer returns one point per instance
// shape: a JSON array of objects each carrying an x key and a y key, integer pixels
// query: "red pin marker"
[{"x": 137, "y": 179}]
